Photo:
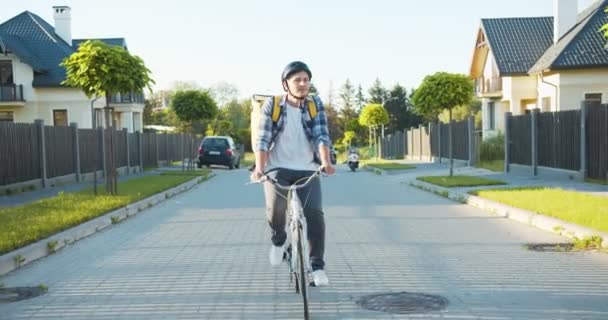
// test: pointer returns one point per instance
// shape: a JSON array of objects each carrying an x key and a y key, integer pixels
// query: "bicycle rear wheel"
[{"x": 301, "y": 273}]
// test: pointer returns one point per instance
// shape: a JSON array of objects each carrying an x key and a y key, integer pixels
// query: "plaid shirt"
[{"x": 315, "y": 129}]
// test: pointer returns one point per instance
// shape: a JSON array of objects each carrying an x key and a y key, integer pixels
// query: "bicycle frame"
[{"x": 296, "y": 219}]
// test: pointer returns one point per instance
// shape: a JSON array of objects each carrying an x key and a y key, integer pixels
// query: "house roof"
[
  {"x": 35, "y": 42},
  {"x": 582, "y": 47},
  {"x": 517, "y": 43},
  {"x": 121, "y": 42}
]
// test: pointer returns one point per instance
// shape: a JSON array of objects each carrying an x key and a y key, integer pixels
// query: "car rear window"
[{"x": 215, "y": 143}]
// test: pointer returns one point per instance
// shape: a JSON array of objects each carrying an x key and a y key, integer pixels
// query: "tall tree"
[
  {"x": 333, "y": 123},
  {"x": 347, "y": 95},
  {"x": 377, "y": 93},
  {"x": 443, "y": 91},
  {"x": 372, "y": 116},
  {"x": 99, "y": 69},
  {"x": 224, "y": 92},
  {"x": 359, "y": 99}
]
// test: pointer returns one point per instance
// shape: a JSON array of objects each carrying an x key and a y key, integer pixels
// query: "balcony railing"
[
  {"x": 488, "y": 85},
  {"x": 11, "y": 93},
  {"x": 128, "y": 98}
]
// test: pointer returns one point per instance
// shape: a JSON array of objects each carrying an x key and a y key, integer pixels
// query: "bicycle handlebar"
[{"x": 265, "y": 178}]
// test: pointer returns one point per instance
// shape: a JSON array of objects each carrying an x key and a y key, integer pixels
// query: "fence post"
[
  {"x": 41, "y": 135},
  {"x": 507, "y": 140},
  {"x": 534, "y": 137},
  {"x": 405, "y": 142},
  {"x": 141, "y": 151},
  {"x": 74, "y": 127},
  {"x": 439, "y": 140},
  {"x": 451, "y": 146},
  {"x": 104, "y": 160},
  {"x": 472, "y": 144},
  {"x": 181, "y": 139},
  {"x": 124, "y": 130},
  {"x": 583, "y": 134},
  {"x": 420, "y": 141},
  {"x": 156, "y": 141},
  {"x": 169, "y": 159}
]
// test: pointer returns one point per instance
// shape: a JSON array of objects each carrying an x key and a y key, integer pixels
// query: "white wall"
[
  {"x": 516, "y": 89},
  {"x": 547, "y": 90},
  {"x": 490, "y": 68},
  {"x": 40, "y": 102},
  {"x": 572, "y": 86}
]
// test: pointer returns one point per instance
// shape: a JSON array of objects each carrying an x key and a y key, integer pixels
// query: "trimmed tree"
[
  {"x": 99, "y": 69},
  {"x": 372, "y": 116},
  {"x": 349, "y": 136},
  {"x": 193, "y": 105},
  {"x": 443, "y": 91}
]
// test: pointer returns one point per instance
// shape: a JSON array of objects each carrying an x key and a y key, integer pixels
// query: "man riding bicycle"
[{"x": 287, "y": 150}]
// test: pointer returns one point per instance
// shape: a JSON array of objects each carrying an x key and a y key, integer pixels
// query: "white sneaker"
[
  {"x": 276, "y": 255},
  {"x": 320, "y": 278}
]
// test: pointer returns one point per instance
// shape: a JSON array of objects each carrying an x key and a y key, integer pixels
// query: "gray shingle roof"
[
  {"x": 517, "y": 43},
  {"x": 35, "y": 41},
  {"x": 121, "y": 42},
  {"x": 582, "y": 47}
]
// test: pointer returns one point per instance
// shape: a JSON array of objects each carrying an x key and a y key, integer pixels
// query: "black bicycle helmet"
[{"x": 295, "y": 67}]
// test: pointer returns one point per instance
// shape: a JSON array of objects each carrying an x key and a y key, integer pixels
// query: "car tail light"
[
  {"x": 229, "y": 153},
  {"x": 200, "y": 150}
]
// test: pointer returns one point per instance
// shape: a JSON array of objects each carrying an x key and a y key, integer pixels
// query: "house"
[
  {"x": 549, "y": 63},
  {"x": 30, "y": 76}
]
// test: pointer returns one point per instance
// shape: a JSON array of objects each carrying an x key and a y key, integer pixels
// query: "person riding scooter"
[{"x": 353, "y": 159}]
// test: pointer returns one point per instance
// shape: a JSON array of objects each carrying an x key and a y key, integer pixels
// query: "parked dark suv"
[{"x": 218, "y": 150}]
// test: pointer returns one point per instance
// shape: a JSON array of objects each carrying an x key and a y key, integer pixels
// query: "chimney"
[
  {"x": 63, "y": 23},
  {"x": 564, "y": 17}
]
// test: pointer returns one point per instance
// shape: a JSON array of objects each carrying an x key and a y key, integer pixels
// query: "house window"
[
  {"x": 491, "y": 115},
  {"x": 6, "y": 116},
  {"x": 593, "y": 97},
  {"x": 546, "y": 104},
  {"x": 60, "y": 117},
  {"x": 6, "y": 72}
]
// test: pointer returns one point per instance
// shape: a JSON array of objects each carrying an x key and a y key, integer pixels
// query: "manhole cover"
[
  {"x": 18, "y": 294},
  {"x": 403, "y": 302},
  {"x": 550, "y": 247}
]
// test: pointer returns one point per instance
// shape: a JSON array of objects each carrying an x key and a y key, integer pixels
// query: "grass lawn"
[
  {"x": 22, "y": 225},
  {"x": 460, "y": 181},
  {"x": 493, "y": 165},
  {"x": 387, "y": 165},
  {"x": 576, "y": 207}
]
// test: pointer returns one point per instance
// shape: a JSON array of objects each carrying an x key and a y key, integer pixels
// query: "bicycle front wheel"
[{"x": 301, "y": 270}]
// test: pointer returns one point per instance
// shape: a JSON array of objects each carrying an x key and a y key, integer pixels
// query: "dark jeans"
[{"x": 310, "y": 197}]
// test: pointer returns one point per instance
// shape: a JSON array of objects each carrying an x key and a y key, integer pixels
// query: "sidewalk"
[
  {"x": 512, "y": 179},
  {"x": 532, "y": 218},
  {"x": 31, "y": 196}
]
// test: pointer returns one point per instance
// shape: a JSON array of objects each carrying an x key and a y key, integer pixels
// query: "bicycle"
[{"x": 299, "y": 268}]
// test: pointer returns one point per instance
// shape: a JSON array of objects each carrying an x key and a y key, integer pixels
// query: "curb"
[
  {"x": 375, "y": 170},
  {"x": 540, "y": 221},
  {"x": 20, "y": 257}
]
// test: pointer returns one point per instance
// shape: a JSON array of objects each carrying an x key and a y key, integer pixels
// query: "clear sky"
[{"x": 247, "y": 42}]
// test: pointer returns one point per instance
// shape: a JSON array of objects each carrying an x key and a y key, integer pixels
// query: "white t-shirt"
[{"x": 292, "y": 150}]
